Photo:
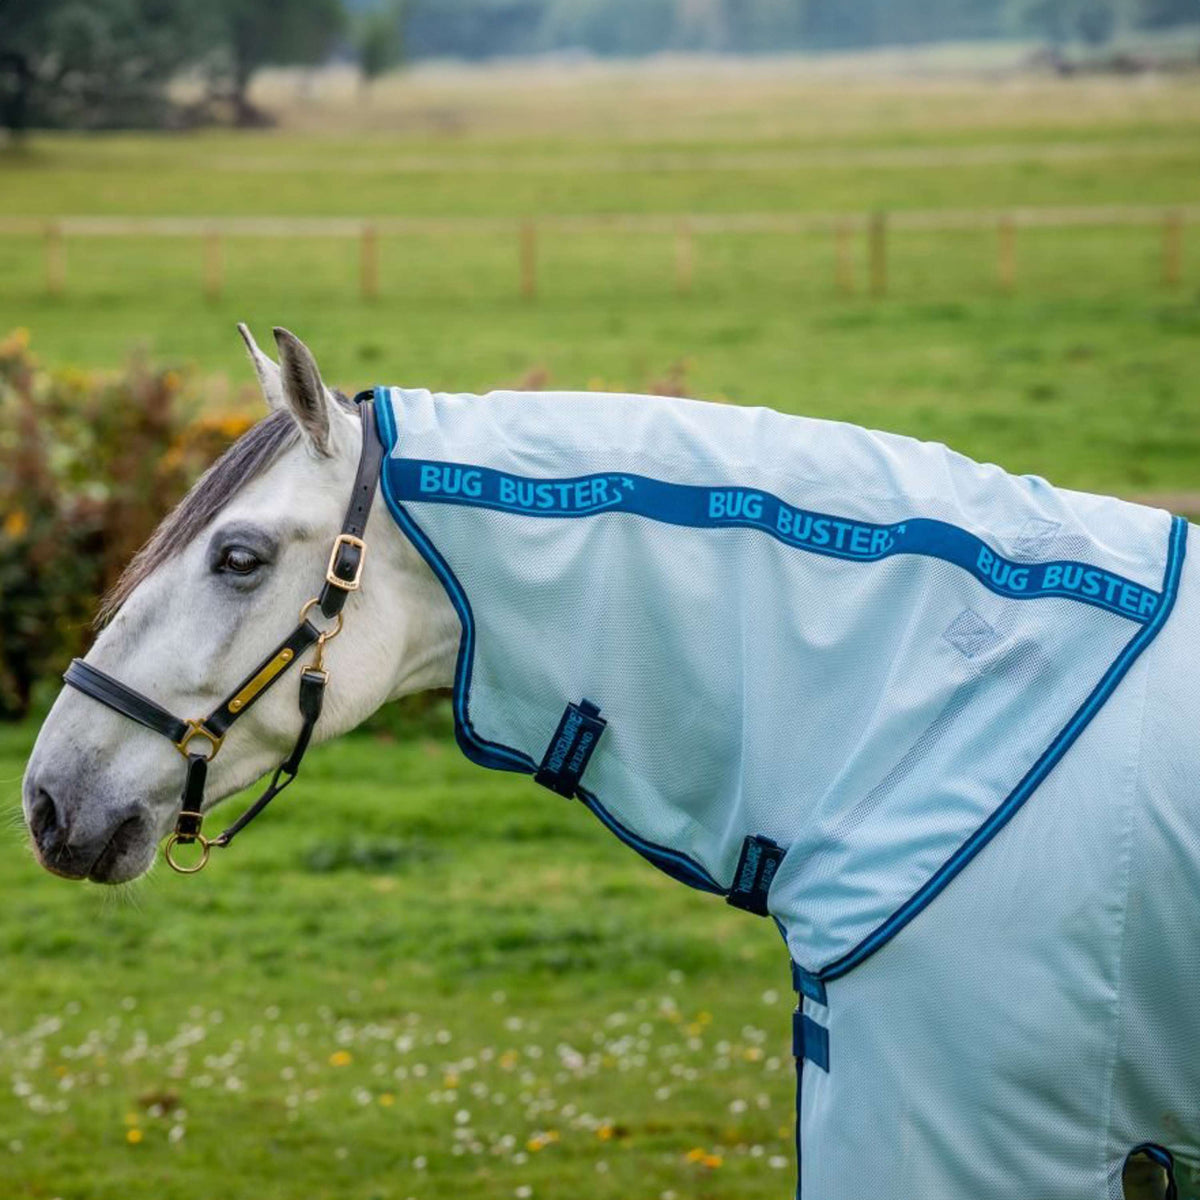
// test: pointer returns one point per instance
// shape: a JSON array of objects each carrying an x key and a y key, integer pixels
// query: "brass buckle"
[
  {"x": 197, "y": 728},
  {"x": 205, "y": 850},
  {"x": 347, "y": 585}
]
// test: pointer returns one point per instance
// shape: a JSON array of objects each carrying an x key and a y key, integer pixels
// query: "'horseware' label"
[
  {"x": 756, "y": 868},
  {"x": 572, "y": 746}
]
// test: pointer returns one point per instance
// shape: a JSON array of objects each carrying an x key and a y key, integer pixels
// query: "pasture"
[{"x": 418, "y": 979}]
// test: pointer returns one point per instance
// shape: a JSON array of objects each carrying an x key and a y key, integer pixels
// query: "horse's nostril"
[{"x": 44, "y": 823}]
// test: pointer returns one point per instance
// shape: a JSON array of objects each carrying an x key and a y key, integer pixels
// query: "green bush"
[{"x": 89, "y": 464}]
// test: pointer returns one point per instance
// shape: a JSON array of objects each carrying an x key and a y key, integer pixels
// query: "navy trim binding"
[
  {"x": 1034, "y": 777},
  {"x": 720, "y": 507},
  {"x": 479, "y": 750}
]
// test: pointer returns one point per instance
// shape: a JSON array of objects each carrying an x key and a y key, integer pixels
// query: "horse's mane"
[{"x": 243, "y": 462}]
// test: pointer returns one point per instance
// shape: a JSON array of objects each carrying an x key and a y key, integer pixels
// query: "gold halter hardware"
[
  {"x": 206, "y": 845},
  {"x": 197, "y": 728},
  {"x": 318, "y": 662}
]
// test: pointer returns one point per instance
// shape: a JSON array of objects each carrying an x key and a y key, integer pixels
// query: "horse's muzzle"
[{"x": 105, "y": 845}]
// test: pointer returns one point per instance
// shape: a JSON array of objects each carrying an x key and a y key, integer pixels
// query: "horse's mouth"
[{"x": 124, "y": 857}]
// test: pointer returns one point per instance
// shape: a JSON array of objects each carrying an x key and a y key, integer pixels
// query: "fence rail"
[{"x": 683, "y": 228}]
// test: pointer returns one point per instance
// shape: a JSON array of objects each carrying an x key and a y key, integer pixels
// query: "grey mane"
[{"x": 242, "y": 463}]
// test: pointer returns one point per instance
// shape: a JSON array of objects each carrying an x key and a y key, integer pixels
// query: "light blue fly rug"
[{"x": 938, "y": 721}]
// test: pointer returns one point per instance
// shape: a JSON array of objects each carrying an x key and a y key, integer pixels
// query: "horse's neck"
[{"x": 421, "y": 616}]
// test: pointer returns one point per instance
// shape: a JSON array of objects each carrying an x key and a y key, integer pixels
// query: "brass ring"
[
  {"x": 205, "y": 849},
  {"x": 329, "y": 633}
]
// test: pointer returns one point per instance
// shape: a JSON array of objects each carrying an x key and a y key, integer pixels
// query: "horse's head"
[{"x": 218, "y": 585}]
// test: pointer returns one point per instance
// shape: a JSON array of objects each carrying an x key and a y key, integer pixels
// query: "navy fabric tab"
[
  {"x": 571, "y": 747},
  {"x": 759, "y": 860},
  {"x": 807, "y": 984},
  {"x": 810, "y": 1041}
]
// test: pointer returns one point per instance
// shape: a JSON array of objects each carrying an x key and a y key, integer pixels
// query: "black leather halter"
[{"x": 343, "y": 575}]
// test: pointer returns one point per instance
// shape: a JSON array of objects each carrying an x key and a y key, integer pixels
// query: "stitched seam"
[{"x": 1133, "y": 764}]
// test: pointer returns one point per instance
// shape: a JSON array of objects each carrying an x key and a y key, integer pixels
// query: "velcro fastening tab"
[
  {"x": 807, "y": 985},
  {"x": 760, "y": 859},
  {"x": 574, "y": 740},
  {"x": 810, "y": 1041}
]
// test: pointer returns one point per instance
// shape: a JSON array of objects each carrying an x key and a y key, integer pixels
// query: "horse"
[{"x": 932, "y": 719}]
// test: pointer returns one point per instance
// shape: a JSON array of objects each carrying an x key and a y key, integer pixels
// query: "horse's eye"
[{"x": 237, "y": 560}]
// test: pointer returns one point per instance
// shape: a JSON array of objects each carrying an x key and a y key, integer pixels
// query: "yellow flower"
[
  {"x": 450, "y": 1080},
  {"x": 712, "y": 1161},
  {"x": 16, "y": 341},
  {"x": 16, "y": 524},
  {"x": 340, "y": 1058},
  {"x": 604, "y": 1133},
  {"x": 172, "y": 380},
  {"x": 752, "y": 1053},
  {"x": 696, "y": 1154},
  {"x": 508, "y": 1059},
  {"x": 387, "y": 1099},
  {"x": 133, "y": 1136}
]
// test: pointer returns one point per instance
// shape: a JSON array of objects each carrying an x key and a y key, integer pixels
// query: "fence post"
[
  {"x": 1006, "y": 253},
  {"x": 369, "y": 261},
  {"x": 214, "y": 264},
  {"x": 685, "y": 257},
  {"x": 527, "y": 253},
  {"x": 877, "y": 237},
  {"x": 56, "y": 259},
  {"x": 1172, "y": 264},
  {"x": 843, "y": 234}
]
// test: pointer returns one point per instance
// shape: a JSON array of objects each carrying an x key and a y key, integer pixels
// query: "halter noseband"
[{"x": 342, "y": 576}]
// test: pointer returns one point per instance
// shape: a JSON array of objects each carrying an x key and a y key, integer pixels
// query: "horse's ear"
[
  {"x": 265, "y": 368},
  {"x": 303, "y": 390}
]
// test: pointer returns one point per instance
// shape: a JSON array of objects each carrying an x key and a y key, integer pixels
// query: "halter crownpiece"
[{"x": 343, "y": 575}]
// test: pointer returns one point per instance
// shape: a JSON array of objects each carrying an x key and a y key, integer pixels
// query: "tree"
[
  {"x": 1062, "y": 21},
  {"x": 92, "y": 62},
  {"x": 1162, "y": 14},
  {"x": 255, "y": 34},
  {"x": 380, "y": 40}
]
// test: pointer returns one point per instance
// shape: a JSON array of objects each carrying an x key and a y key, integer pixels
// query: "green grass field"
[
  {"x": 1085, "y": 375},
  {"x": 417, "y": 979},
  {"x": 414, "y": 979}
]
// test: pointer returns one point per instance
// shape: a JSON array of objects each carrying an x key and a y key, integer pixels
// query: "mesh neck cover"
[{"x": 867, "y": 648}]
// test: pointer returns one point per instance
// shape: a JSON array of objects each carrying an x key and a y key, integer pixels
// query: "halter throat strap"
[{"x": 199, "y": 740}]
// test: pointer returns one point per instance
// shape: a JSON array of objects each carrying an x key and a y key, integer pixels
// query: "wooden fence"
[{"x": 845, "y": 229}]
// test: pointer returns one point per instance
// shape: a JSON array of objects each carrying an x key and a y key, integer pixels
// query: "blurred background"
[{"x": 965, "y": 220}]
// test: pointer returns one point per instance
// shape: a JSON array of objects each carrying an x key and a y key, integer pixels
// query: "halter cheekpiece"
[{"x": 343, "y": 575}]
